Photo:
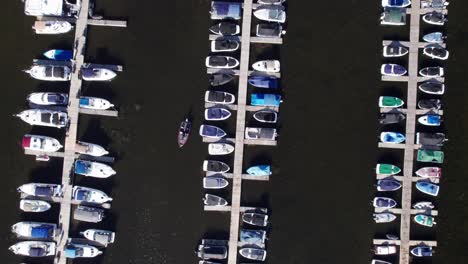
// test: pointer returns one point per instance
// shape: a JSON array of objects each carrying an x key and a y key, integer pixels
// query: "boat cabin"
[{"x": 58, "y": 8}]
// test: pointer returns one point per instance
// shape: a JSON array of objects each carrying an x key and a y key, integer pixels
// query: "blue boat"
[
  {"x": 428, "y": 188},
  {"x": 225, "y": 10},
  {"x": 264, "y": 82},
  {"x": 259, "y": 170},
  {"x": 392, "y": 137},
  {"x": 265, "y": 99},
  {"x": 430, "y": 120},
  {"x": 58, "y": 54},
  {"x": 253, "y": 236}
]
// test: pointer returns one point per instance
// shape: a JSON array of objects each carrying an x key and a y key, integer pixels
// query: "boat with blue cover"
[
  {"x": 396, "y": 3},
  {"x": 392, "y": 137},
  {"x": 34, "y": 230},
  {"x": 428, "y": 188},
  {"x": 388, "y": 185},
  {"x": 211, "y": 132},
  {"x": 250, "y": 236},
  {"x": 81, "y": 251},
  {"x": 259, "y": 170},
  {"x": 93, "y": 169},
  {"x": 225, "y": 10},
  {"x": 217, "y": 114},
  {"x": 430, "y": 120},
  {"x": 59, "y": 54},
  {"x": 428, "y": 155},
  {"x": 41, "y": 189},
  {"x": 264, "y": 81},
  {"x": 265, "y": 99},
  {"x": 384, "y": 202},
  {"x": 390, "y": 69},
  {"x": 422, "y": 251},
  {"x": 434, "y": 37}
]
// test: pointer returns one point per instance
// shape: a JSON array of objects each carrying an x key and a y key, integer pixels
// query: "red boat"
[{"x": 184, "y": 132}]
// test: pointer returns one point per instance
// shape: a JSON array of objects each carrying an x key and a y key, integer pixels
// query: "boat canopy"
[
  {"x": 42, "y": 231},
  {"x": 73, "y": 252},
  {"x": 44, "y": 191},
  {"x": 84, "y": 101},
  {"x": 43, "y": 7},
  {"x": 223, "y": 10},
  {"x": 252, "y": 236},
  {"x": 36, "y": 252},
  {"x": 81, "y": 167}
]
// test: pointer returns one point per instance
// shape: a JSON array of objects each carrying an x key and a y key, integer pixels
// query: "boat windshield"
[{"x": 36, "y": 251}]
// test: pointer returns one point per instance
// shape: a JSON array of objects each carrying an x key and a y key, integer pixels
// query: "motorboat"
[
  {"x": 390, "y": 69},
  {"x": 214, "y": 200},
  {"x": 434, "y": 3},
  {"x": 270, "y": 2},
  {"x": 211, "y": 132},
  {"x": 384, "y": 217},
  {"x": 184, "y": 132},
  {"x": 269, "y": 82},
  {"x": 217, "y": 114},
  {"x": 258, "y": 99},
  {"x": 385, "y": 249},
  {"x": 217, "y": 97},
  {"x": 212, "y": 252},
  {"x": 224, "y": 45},
  {"x": 260, "y": 133},
  {"x": 394, "y": 51},
  {"x": 388, "y": 185},
  {"x": 52, "y": 27},
  {"x": 256, "y": 219},
  {"x": 103, "y": 237},
  {"x": 269, "y": 30},
  {"x": 423, "y": 205},
  {"x": 427, "y": 155},
  {"x": 44, "y": 117},
  {"x": 94, "y": 103},
  {"x": 93, "y": 169},
  {"x": 44, "y": 8},
  {"x": 48, "y": 98},
  {"x": 390, "y": 102},
  {"x": 34, "y": 230},
  {"x": 436, "y": 53},
  {"x": 40, "y": 143},
  {"x": 428, "y": 188},
  {"x": 435, "y": 18},
  {"x": 214, "y": 182},
  {"x": 432, "y": 87},
  {"x": 377, "y": 261},
  {"x": 393, "y": 16},
  {"x": 88, "y": 214},
  {"x": 259, "y": 170},
  {"x": 429, "y": 172},
  {"x": 434, "y": 37},
  {"x": 89, "y": 195},
  {"x": 430, "y": 104},
  {"x": 34, "y": 206},
  {"x": 391, "y": 118},
  {"x": 252, "y": 237},
  {"x": 225, "y": 29},
  {"x": 422, "y": 251},
  {"x": 271, "y": 66},
  {"x": 90, "y": 149},
  {"x": 430, "y": 139},
  {"x": 392, "y": 137},
  {"x": 253, "y": 253},
  {"x": 270, "y": 13},
  {"x": 220, "y": 149},
  {"x": 386, "y": 169},
  {"x": 215, "y": 166},
  {"x": 58, "y": 54},
  {"x": 34, "y": 249},
  {"x": 266, "y": 116},
  {"x": 41, "y": 189},
  {"x": 430, "y": 120},
  {"x": 217, "y": 79},
  {"x": 73, "y": 251},
  {"x": 50, "y": 72},
  {"x": 225, "y": 10},
  {"x": 97, "y": 74},
  {"x": 221, "y": 62},
  {"x": 384, "y": 202},
  {"x": 433, "y": 72},
  {"x": 396, "y": 3},
  {"x": 424, "y": 220}
]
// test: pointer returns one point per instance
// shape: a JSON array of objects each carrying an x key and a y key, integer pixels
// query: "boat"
[
  {"x": 396, "y": 3},
  {"x": 435, "y": 18},
  {"x": 269, "y": 82},
  {"x": 48, "y": 98},
  {"x": 427, "y": 155},
  {"x": 384, "y": 202},
  {"x": 377, "y": 261},
  {"x": 214, "y": 182},
  {"x": 59, "y": 54},
  {"x": 220, "y": 149},
  {"x": 267, "y": 66},
  {"x": 256, "y": 219},
  {"x": 34, "y": 230},
  {"x": 81, "y": 251},
  {"x": 216, "y": 114},
  {"x": 253, "y": 253},
  {"x": 390, "y": 101},
  {"x": 385, "y": 249},
  {"x": 424, "y": 220},
  {"x": 225, "y": 10},
  {"x": 211, "y": 132},
  {"x": 423, "y": 205},
  {"x": 428, "y": 188},
  {"x": 221, "y": 62},
  {"x": 388, "y": 185},
  {"x": 217, "y": 79},
  {"x": 422, "y": 251},
  {"x": 270, "y": 2},
  {"x": 393, "y": 16},
  {"x": 184, "y": 132},
  {"x": 225, "y": 29},
  {"x": 90, "y": 149},
  {"x": 266, "y": 116},
  {"x": 103, "y": 237},
  {"x": 93, "y": 169},
  {"x": 52, "y": 27},
  {"x": 49, "y": 72},
  {"x": 391, "y": 118},
  {"x": 429, "y": 172},
  {"x": 40, "y": 143},
  {"x": 269, "y": 30},
  {"x": 430, "y": 120},
  {"x": 44, "y": 117},
  {"x": 34, "y": 249},
  {"x": 386, "y": 169},
  {"x": 219, "y": 97},
  {"x": 94, "y": 103},
  {"x": 259, "y": 170},
  {"x": 270, "y": 13},
  {"x": 214, "y": 200},
  {"x": 438, "y": 53},
  {"x": 212, "y": 252},
  {"x": 390, "y": 69},
  {"x": 430, "y": 139},
  {"x": 260, "y": 133},
  {"x": 394, "y": 51},
  {"x": 434, "y": 3},
  {"x": 224, "y": 45},
  {"x": 430, "y": 104},
  {"x": 215, "y": 166},
  {"x": 44, "y": 8},
  {"x": 392, "y": 137},
  {"x": 41, "y": 189},
  {"x": 97, "y": 74},
  {"x": 265, "y": 99},
  {"x": 434, "y": 37},
  {"x": 384, "y": 217},
  {"x": 88, "y": 214},
  {"x": 34, "y": 206},
  {"x": 89, "y": 195},
  {"x": 432, "y": 87},
  {"x": 252, "y": 237},
  {"x": 432, "y": 72}
]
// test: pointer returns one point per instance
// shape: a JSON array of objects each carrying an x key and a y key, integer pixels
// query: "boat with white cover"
[
  {"x": 211, "y": 132},
  {"x": 432, "y": 87},
  {"x": 94, "y": 103},
  {"x": 44, "y": 117},
  {"x": 438, "y": 53},
  {"x": 93, "y": 169},
  {"x": 40, "y": 143},
  {"x": 271, "y": 13},
  {"x": 34, "y": 249},
  {"x": 384, "y": 217},
  {"x": 272, "y": 66},
  {"x": 34, "y": 230},
  {"x": 429, "y": 172},
  {"x": 217, "y": 97},
  {"x": 430, "y": 120},
  {"x": 256, "y": 219},
  {"x": 215, "y": 166},
  {"x": 225, "y": 28},
  {"x": 217, "y": 114},
  {"x": 260, "y": 133},
  {"x": 394, "y": 51},
  {"x": 81, "y": 251},
  {"x": 89, "y": 195},
  {"x": 253, "y": 253},
  {"x": 224, "y": 45},
  {"x": 384, "y": 202},
  {"x": 52, "y": 27},
  {"x": 34, "y": 206},
  {"x": 434, "y": 37},
  {"x": 214, "y": 182},
  {"x": 214, "y": 200},
  {"x": 97, "y": 74},
  {"x": 48, "y": 98},
  {"x": 54, "y": 73},
  {"x": 103, "y": 237},
  {"x": 396, "y": 3},
  {"x": 266, "y": 116},
  {"x": 432, "y": 72},
  {"x": 212, "y": 252},
  {"x": 41, "y": 189},
  {"x": 90, "y": 149},
  {"x": 220, "y": 148},
  {"x": 435, "y": 18},
  {"x": 221, "y": 62},
  {"x": 423, "y": 205},
  {"x": 385, "y": 249}
]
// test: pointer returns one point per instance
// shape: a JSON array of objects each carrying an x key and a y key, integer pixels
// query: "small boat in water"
[
  {"x": 221, "y": 62},
  {"x": 392, "y": 137},
  {"x": 215, "y": 166},
  {"x": 391, "y": 118},
  {"x": 81, "y": 251},
  {"x": 89, "y": 195},
  {"x": 253, "y": 253},
  {"x": 214, "y": 182},
  {"x": 212, "y": 252},
  {"x": 434, "y": 37},
  {"x": 393, "y": 16},
  {"x": 270, "y": 13},
  {"x": 259, "y": 170},
  {"x": 59, "y": 54},
  {"x": 270, "y": 2},
  {"x": 34, "y": 249},
  {"x": 34, "y": 230},
  {"x": 184, "y": 132},
  {"x": 93, "y": 169},
  {"x": 390, "y": 101},
  {"x": 388, "y": 185},
  {"x": 220, "y": 148},
  {"x": 267, "y": 66},
  {"x": 97, "y": 74},
  {"x": 430, "y": 104},
  {"x": 377, "y": 261},
  {"x": 438, "y": 53},
  {"x": 216, "y": 114},
  {"x": 94, "y": 103},
  {"x": 430, "y": 120},
  {"x": 211, "y": 132},
  {"x": 269, "y": 82},
  {"x": 424, "y": 220},
  {"x": 48, "y": 98},
  {"x": 90, "y": 149},
  {"x": 260, "y": 133},
  {"x": 384, "y": 217},
  {"x": 433, "y": 72},
  {"x": 217, "y": 97},
  {"x": 396, "y": 3},
  {"x": 34, "y": 206},
  {"x": 44, "y": 117},
  {"x": 427, "y": 155},
  {"x": 88, "y": 214},
  {"x": 269, "y": 30},
  {"x": 225, "y": 10},
  {"x": 266, "y": 116},
  {"x": 423, "y": 205},
  {"x": 394, "y": 51},
  {"x": 258, "y": 99},
  {"x": 103, "y": 237},
  {"x": 434, "y": 18},
  {"x": 384, "y": 202},
  {"x": 430, "y": 139},
  {"x": 432, "y": 87},
  {"x": 429, "y": 172},
  {"x": 50, "y": 72},
  {"x": 217, "y": 79},
  {"x": 52, "y": 27},
  {"x": 225, "y": 29},
  {"x": 40, "y": 143},
  {"x": 428, "y": 188},
  {"x": 386, "y": 169},
  {"x": 224, "y": 45},
  {"x": 434, "y": 3},
  {"x": 41, "y": 189},
  {"x": 252, "y": 237},
  {"x": 214, "y": 200},
  {"x": 385, "y": 249},
  {"x": 390, "y": 69},
  {"x": 256, "y": 219},
  {"x": 422, "y": 251}
]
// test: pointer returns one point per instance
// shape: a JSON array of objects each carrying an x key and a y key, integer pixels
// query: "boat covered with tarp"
[
  {"x": 259, "y": 99},
  {"x": 259, "y": 170},
  {"x": 211, "y": 132},
  {"x": 269, "y": 30},
  {"x": 214, "y": 182},
  {"x": 264, "y": 81},
  {"x": 386, "y": 169},
  {"x": 218, "y": 97},
  {"x": 34, "y": 249},
  {"x": 388, "y": 185},
  {"x": 250, "y": 236},
  {"x": 384, "y": 217},
  {"x": 430, "y": 104},
  {"x": 41, "y": 189},
  {"x": 434, "y": 37},
  {"x": 422, "y": 251},
  {"x": 391, "y": 118},
  {"x": 393, "y": 16},
  {"x": 430, "y": 120},
  {"x": 225, "y": 28},
  {"x": 266, "y": 116},
  {"x": 88, "y": 214},
  {"x": 428, "y": 188},
  {"x": 34, "y": 230},
  {"x": 424, "y": 220},
  {"x": 226, "y": 10},
  {"x": 435, "y": 18},
  {"x": 73, "y": 251},
  {"x": 260, "y": 133},
  {"x": 432, "y": 87},
  {"x": 392, "y": 137},
  {"x": 430, "y": 139},
  {"x": 212, "y": 252},
  {"x": 217, "y": 79},
  {"x": 390, "y": 101},
  {"x": 428, "y": 155},
  {"x": 217, "y": 114},
  {"x": 384, "y": 202},
  {"x": 256, "y": 219}
]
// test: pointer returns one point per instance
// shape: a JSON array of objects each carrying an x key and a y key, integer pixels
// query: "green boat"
[
  {"x": 424, "y": 220},
  {"x": 426, "y": 155},
  {"x": 386, "y": 169},
  {"x": 390, "y": 101}
]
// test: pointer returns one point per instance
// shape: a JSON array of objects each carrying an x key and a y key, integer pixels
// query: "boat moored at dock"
[
  {"x": 253, "y": 253},
  {"x": 89, "y": 195},
  {"x": 384, "y": 217},
  {"x": 385, "y": 250},
  {"x": 214, "y": 200},
  {"x": 270, "y": 13},
  {"x": 430, "y": 104},
  {"x": 44, "y": 117},
  {"x": 393, "y": 16},
  {"x": 384, "y": 202},
  {"x": 225, "y": 28},
  {"x": 217, "y": 114},
  {"x": 270, "y": 66},
  {"x": 432, "y": 87},
  {"x": 41, "y": 189},
  {"x": 260, "y": 133},
  {"x": 269, "y": 30},
  {"x": 392, "y": 137},
  {"x": 436, "y": 53},
  {"x": 429, "y": 172},
  {"x": 34, "y": 230},
  {"x": 394, "y": 51},
  {"x": 215, "y": 166},
  {"x": 266, "y": 116},
  {"x": 388, "y": 185},
  {"x": 211, "y": 132},
  {"x": 103, "y": 237},
  {"x": 391, "y": 69},
  {"x": 430, "y": 139},
  {"x": 34, "y": 249},
  {"x": 59, "y": 54},
  {"x": 90, "y": 149},
  {"x": 390, "y": 102},
  {"x": 422, "y": 251},
  {"x": 221, "y": 62},
  {"x": 94, "y": 103},
  {"x": 52, "y": 27},
  {"x": 396, "y": 3},
  {"x": 93, "y": 169},
  {"x": 40, "y": 143},
  {"x": 73, "y": 251},
  {"x": 256, "y": 219},
  {"x": 259, "y": 170},
  {"x": 217, "y": 97},
  {"x": 430, "y": 120},
  {"x": 88, "y": 214},
  {"x": 212, "y": 252},
  {"x": 47, "y": 98},
  {"x": 268, "y": 82},
  {"x": 34, "y": 206},
  {"x": 97, "y": 74},
  {"x": 50, "y": 72},
  {"x": 214, "y": 182},
  {"x": 224, "y": 45},
  {"x": 387, "y": 169},
  {"x": 258, "y": 99},
  {"x": 424, "y": 220},
  {"x": 434, "y": 37},
  {"x": 220, "y": 149},
  {"x": 435, "y": 18},
  {"x": 432, "y": 72},
  {"x": 217, "y": 79},
  {"x": 225, "y": 10},
  {"x": 428, "y": 188},
  {"x": 391, "y": 118},
  {"x": 428, "y": 155},
  {"x": 424, "y": 205}
]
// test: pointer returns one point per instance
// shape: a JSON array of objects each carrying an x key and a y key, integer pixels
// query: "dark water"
[{"x": 322, "y": 183}]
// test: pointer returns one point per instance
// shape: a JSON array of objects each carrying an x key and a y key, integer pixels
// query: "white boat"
[
  {"x": 215, "y": 166},
  {"x": 438, "y": 53},
  {"x": 267, "y": 66},
  {"x": 34, "y": 230},
  {"x": 89, "y": 195},
  {"x": 103, "y": 237},
  {"x": 271, "y": 13},
  {"x": 81, "y": 251},
  {"x": 221, "y": 62},
  {"x": 216, "y": 114},
  {"x": 266, "y": 116},
  {"x": 424, "y": 205},
  {"x": 52, "y": 27},
  {"x": 217, "y": 97},
  {"x": 214, "y": 200},
  {"x": 260, "y": 133},
  {"x": 385, "y": 249},
  {"x": 220, "y": 148},
  {"x": 34, "y": 206},
  {"x": 270, "y": 2},
  {"x": 224, "y": 45},
  {"x": 376, "y": 261},
  {"x": 41, "y": 189},
  {"x": 34, "y": 249},
  {"x": 211, "y": 132},
  {"x": 43, "y": 7},
  {"x": 48, "y": 98},
  {"x": 394, "y": 51},
  {"x": 43, "y": 117},
  {"x": 50, "y": 72},
  {"x": 40, "y": 143},
  {"x": 432, "y": 72},
  {"x": 434, "y": 37},
  {"x": 97, "y": 74},
  {"x": 90, "y": 149},
  {"x": 384, "y": 217},
  {"x": 253, "y": 253},
  {"x": 435, "y": 18},
  {"x": 256, "y": 219},
  {"x": 94, "y": 103},
  {"x": 93, "y": 169},
  {"x": 214, "y": 182},
  {"x": 396, "y": 3}
]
